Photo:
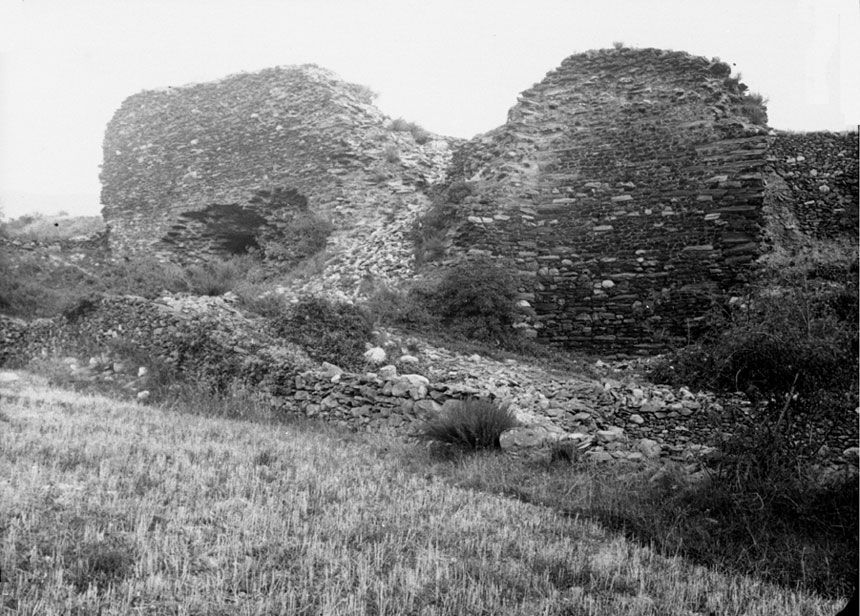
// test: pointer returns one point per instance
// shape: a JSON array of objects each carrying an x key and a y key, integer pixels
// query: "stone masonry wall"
[
  {"x": 255, "y": 159},
  {"x": 816, "y": 178},
  {"x": 210, "y": 342},
  {"x": 626, "y": 190}
]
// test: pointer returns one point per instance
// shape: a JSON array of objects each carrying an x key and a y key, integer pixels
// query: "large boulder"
[{"x": 537, "y": 442}]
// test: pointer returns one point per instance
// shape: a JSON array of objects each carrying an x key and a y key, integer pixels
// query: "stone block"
[
  {"x": 611, "y": 434},
  {"x": 649, "y": 448}
]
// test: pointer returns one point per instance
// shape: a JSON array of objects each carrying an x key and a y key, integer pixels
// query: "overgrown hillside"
[{"x": 115, "y": 508}]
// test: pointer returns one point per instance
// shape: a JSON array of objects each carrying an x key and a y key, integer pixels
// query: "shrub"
[
  {"x": 399, "y": 125},
  {"x": 420, "y": 135},
  {"x": 364, "y": 93},
  {"x": 146, "y": 277},
  {"x": 476, "y": 423},
  {"x": 392, "y": 154},
  {"x": 216, "y": 277},
  {"x": 779, "y": 344},
  {"x": 429, "y": 231},
  {"x": 261, "y": 300},
  {"x": 477, "y": 299},
  {"x": 794, "y": 352},
  {"x": 392, "y": 307},
  {"x": 305, "y": 236},
  {"x": 81, "y": 308},
  {"x": 328, "y": 331},
  {"x": 458, "y": 191},
  {"x": 754, "y": 108},
  {"x": 33, "y": 287},
  {"x": 42, "y": 228}
]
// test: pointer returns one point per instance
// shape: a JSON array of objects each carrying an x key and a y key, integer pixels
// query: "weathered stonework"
[
  {"x": 265, "y": 161},
  {"x": 210, "y": 342},
  {"x": 814, "y": 176},
  {"x": 626, "y": 190}
]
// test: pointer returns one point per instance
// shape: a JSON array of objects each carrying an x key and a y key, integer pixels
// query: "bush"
[
  {"x": 420, "y": 135},
  {"x": 458, "y": 191},
  {"x": 754, "y": 108},
  {"x": 794, "y": 353},
  {"x": 777, "y": 344},
  {"x": 262, "y": 300},
  {"x": 216, "y": 277},
  {"x": 429, "y": 231},
  {"x": 34, "y": 287},
  {"x": 794, "y": 358},
  {"x": 42, "y": 228},
  {"x": 146, "y": 277},
  {"x": 476, "y": 423},
  {"x": 402, "y": 308},
  {"x": 477, "y": 299},
  {"x": 471, "y": 308},
  {"x": 364, "y": 93},
  {"x": 305, "y": 236},
  {"x": 392, "y": 154},
  {"x": 328, "y": 331}
]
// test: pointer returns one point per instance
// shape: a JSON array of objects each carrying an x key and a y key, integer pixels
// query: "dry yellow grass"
[{"x": 115, "y": 508}]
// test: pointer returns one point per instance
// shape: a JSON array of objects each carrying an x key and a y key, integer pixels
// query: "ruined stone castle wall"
[
  {"x": 626, "y": 190},
  {"x": 255, "y": 160},
  {"x": 816, "y": 177}
]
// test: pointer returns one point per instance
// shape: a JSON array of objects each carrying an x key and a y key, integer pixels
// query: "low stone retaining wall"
[{"x": 208, "y": 340}]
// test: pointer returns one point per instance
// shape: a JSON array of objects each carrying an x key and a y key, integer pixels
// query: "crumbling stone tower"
[
  {"x": 626, "y": 189},
  {"x": 274, "y": 161}
]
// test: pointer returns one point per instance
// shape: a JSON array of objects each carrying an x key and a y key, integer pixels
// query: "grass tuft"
[{"x": 476, "y": 423}]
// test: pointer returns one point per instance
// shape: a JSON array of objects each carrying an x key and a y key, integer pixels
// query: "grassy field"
[{"x": 114, "y": 508}]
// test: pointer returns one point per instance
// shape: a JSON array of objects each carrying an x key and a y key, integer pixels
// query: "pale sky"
[{"x": 453, "y": 66}]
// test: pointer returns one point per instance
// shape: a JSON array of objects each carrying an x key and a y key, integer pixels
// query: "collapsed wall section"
[{"x": 626, "y": 189}]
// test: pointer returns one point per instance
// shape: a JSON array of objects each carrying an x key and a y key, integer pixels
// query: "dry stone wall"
[
  {"x": 815, "y": 177},
  {"x": 261, "y": 160},
  {"x": 626, "y": 189},
  {"x": 209, "y": 341}
]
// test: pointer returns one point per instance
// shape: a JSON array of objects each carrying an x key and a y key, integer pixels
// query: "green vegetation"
[
  {"x": 328, "y": 331},
  {"x": 473, "y": 302},
  {"x": 759, "y": 509},
  {"x": 793, "y": 350},
  {"x": 420, "y": 135},
  {"x": 42, "y": 228},
  {"x": 304, "y": 238},
  {"x": 429, "y": 231},
  {"x": 364, "y": 93},
  {"x": 115, "y": 508},
  {"x": 754, "y": 108},
  {"x": 662, "y": 506},
  {"x": 44, "y": 286},
  {"x": 476, "y": 423},
  {"x": 392, "y": 154},
  {"x": 477, "y": 299}
]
